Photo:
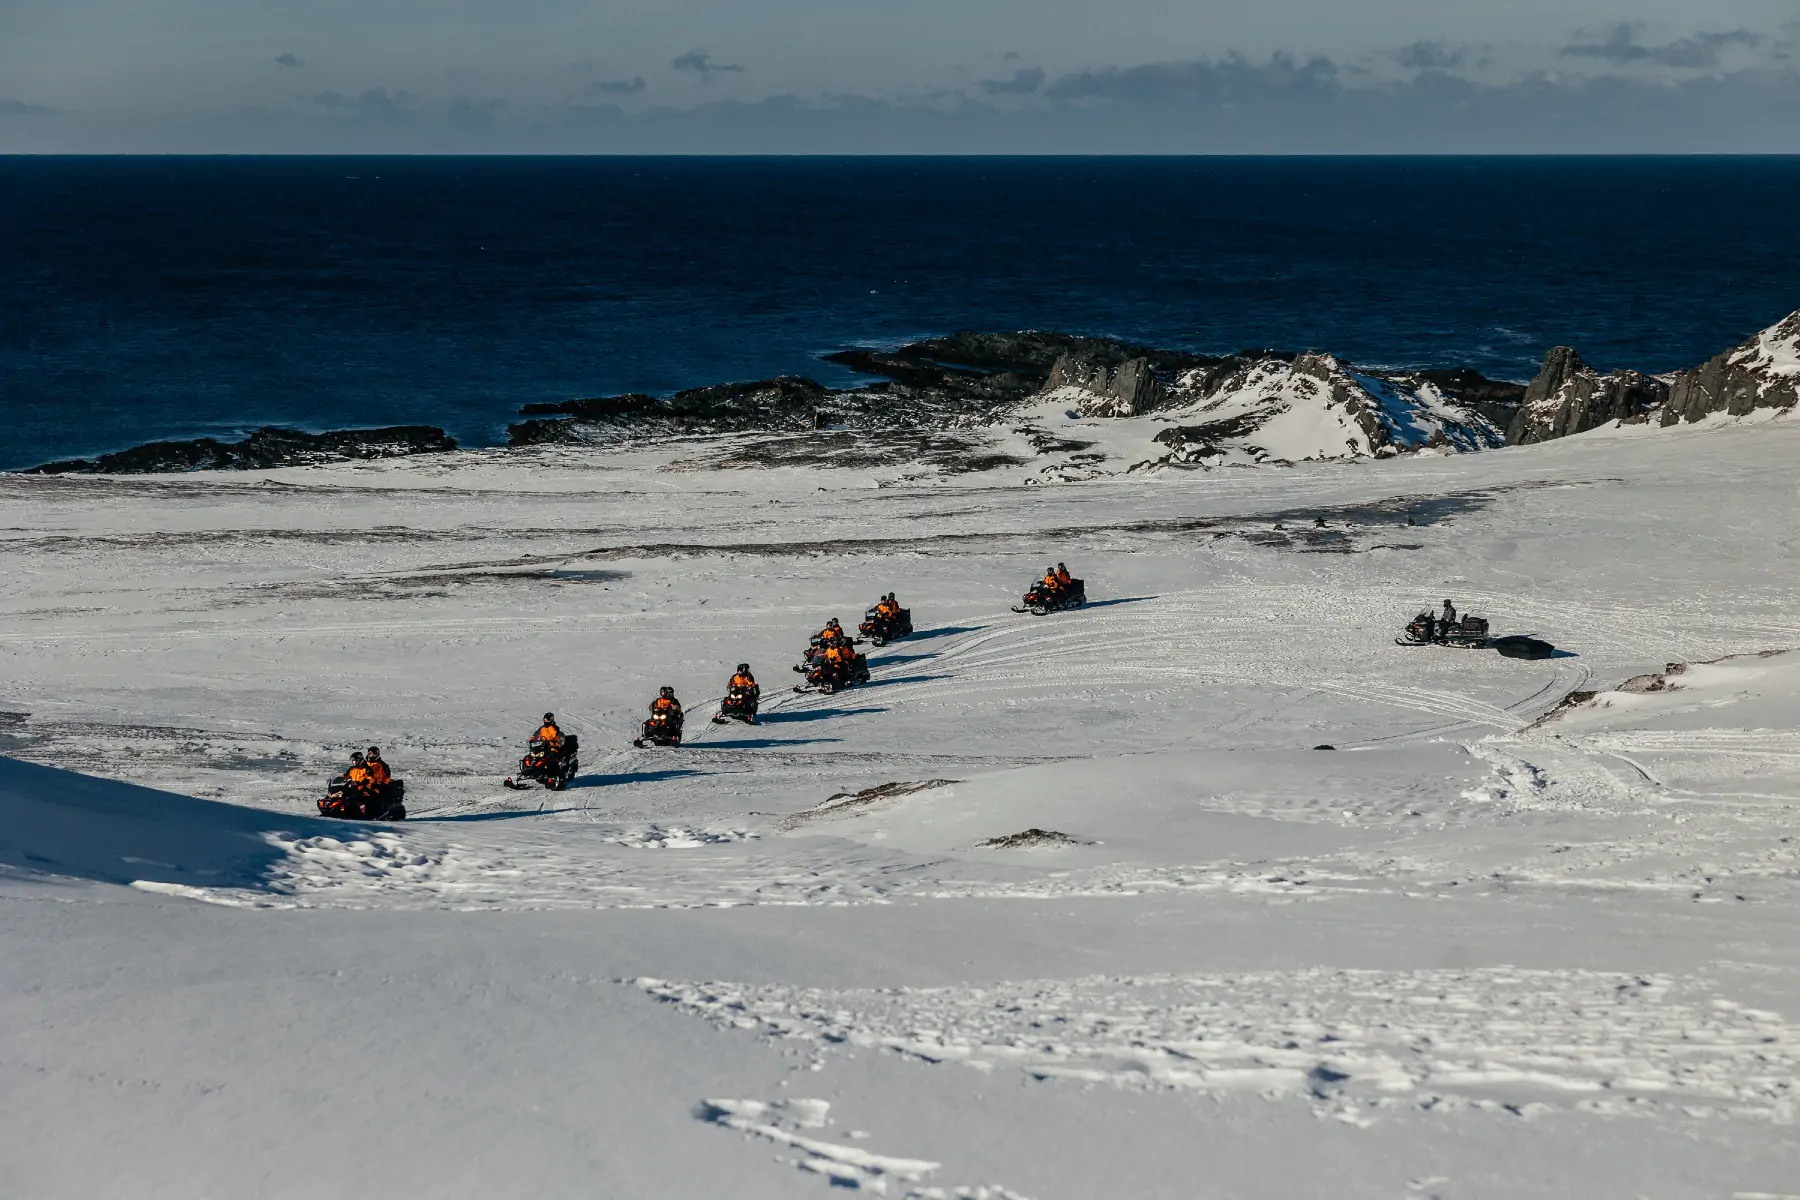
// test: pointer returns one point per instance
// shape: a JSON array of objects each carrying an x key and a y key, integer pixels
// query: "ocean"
[{"x": 149, "y": 298}]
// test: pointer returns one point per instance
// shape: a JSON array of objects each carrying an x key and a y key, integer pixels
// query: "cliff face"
[
  {"x": 1568, "y": 396},
  {"x": 1764, "y": 372}
]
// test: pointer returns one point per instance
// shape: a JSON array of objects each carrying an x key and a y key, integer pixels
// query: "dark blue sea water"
[{"x": 169, "y": 297}]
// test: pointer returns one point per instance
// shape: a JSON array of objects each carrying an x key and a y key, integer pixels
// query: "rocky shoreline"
[
  {"x": 268, "y": 447},
  {"x": 931, "y": 401},
  {"x": 971, "y": 379}
]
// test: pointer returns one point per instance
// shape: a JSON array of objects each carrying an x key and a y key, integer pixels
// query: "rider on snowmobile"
[
  {"x": 838, "y": 658},
  {"x": 379, "y": 775},
  {"x": 833, "y": 632},
  {"x": 1052, "y": 585},
  {"x": 1063, "y": 578},
  {"x": 666, "y": 705},
  {"x": 549, "y": 734},
  {"x": 888, "y": 607},
  {"x": 1447, "y": 620},
  {"x": 744, "y": 681},
  {"x": 358, "y": 774}
]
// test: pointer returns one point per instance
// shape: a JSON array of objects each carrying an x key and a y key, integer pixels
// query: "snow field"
[{"x": 1473, "y": 937}]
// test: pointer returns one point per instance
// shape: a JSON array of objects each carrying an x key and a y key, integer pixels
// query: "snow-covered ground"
[{"x": 1296, "y": 912}]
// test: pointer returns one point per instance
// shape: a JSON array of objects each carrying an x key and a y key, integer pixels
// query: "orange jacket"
[
  {"x": 551, "y": 735},
  {"x": 1050, "y": 580},
  {"x": 379, "y": 775},
  {"x": 357, "y": 776},
  {"x": 741, "y": 681},
  {"x": 1063, "y": 578},
  {"x": 829, "y": 636},
  {"x": 662, "y": 706}
]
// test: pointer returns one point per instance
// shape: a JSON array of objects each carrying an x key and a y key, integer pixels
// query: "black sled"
[
  {"x": 1041, "y": 600},
  {"x": 881, "y": 629},
  {"x": 739, "y": 705},
  {"x": 554, "y": 769},
  {"x": 659, "y": 731},
  {"x": 365, "y": 803}
]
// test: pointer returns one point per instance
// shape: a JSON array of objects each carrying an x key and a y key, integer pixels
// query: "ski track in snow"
[
  {"x": 1353, "y": 1044},
  {"x": 790, "y": 1124}
]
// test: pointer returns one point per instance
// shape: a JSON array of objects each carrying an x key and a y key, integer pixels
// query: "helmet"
[
  {"x": 374, "y": 751},
  {"x": 1061, "y": 567},
  {"x": 668, "y": 693},
  {"x": 743, "y": 668},
  {"x": 1447, "y": 604},
  {"x": 832, "y": 624},
  {"x": 356, "y": 756},
  {"x": 549, "y": 718}
]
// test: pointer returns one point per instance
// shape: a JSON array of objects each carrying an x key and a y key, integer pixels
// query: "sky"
[{"x": 899, "y": 76}]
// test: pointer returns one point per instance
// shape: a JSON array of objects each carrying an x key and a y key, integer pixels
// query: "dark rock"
[
  {"x": 1743, "y": 379},
  {"x": 267, "y": 447},
  {"x": 1123, "y": 389},
  {"x": 1568, "y": 396}
]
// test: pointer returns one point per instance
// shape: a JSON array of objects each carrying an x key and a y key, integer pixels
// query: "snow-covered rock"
[
  {"x": 1764, "y": 372},
  {"x": 1568, "y": 396},
  {"x": 1316, "y": 407}
]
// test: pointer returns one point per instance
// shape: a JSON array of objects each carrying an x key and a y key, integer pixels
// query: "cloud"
[
  {"x": 1619, "y": 44},
  {"x": 1025, "y": 82},
  {"x": 1230, "y": 79},
  {"x": 289, "y": 59},
  {"x": 616, "y": 87},
  {"x": 371, "y": 104},
  {"x": 1432, "y": 56},
  {"x": 701, "y": 63},
  {"x": 18, "y": 108},
  {"x": 471, "y": 113}
]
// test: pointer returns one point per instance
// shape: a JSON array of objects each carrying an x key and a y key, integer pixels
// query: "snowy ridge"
[
  {"x": 1773, "y": 356},
  {"x": 1317, "y": 408}
]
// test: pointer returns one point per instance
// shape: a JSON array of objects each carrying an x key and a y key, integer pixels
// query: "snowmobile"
[
  {"x": 825, "y": 677},
  {"x": 367, "y": 802},
  {"x": 1041, "y": 600},
  {"x": 552, "y": 768},
  {"x": 739, "y": 705},
  {"x": 662, "y": 729},
  {"x": 1470, "y": 633},
  {"x": 815, "y": 652},
  {"x": 881, "y": 629}
]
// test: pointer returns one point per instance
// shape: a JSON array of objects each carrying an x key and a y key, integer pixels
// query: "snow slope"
[{"x": 1208, "y": 889}]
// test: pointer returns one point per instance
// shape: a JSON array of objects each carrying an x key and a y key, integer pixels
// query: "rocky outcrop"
[
  {"x": 961, "y": 380},
  {"x": 1312, "y": 406},
  {"x": 267, "y": 447},
  {"x": 1127, "y": 389},
  {"x": 787, "y": 402},
  {"x": 1568, "y": 396},
  {"x": 1764, "y": 372},
  {"x": 968, "y": 381}
]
